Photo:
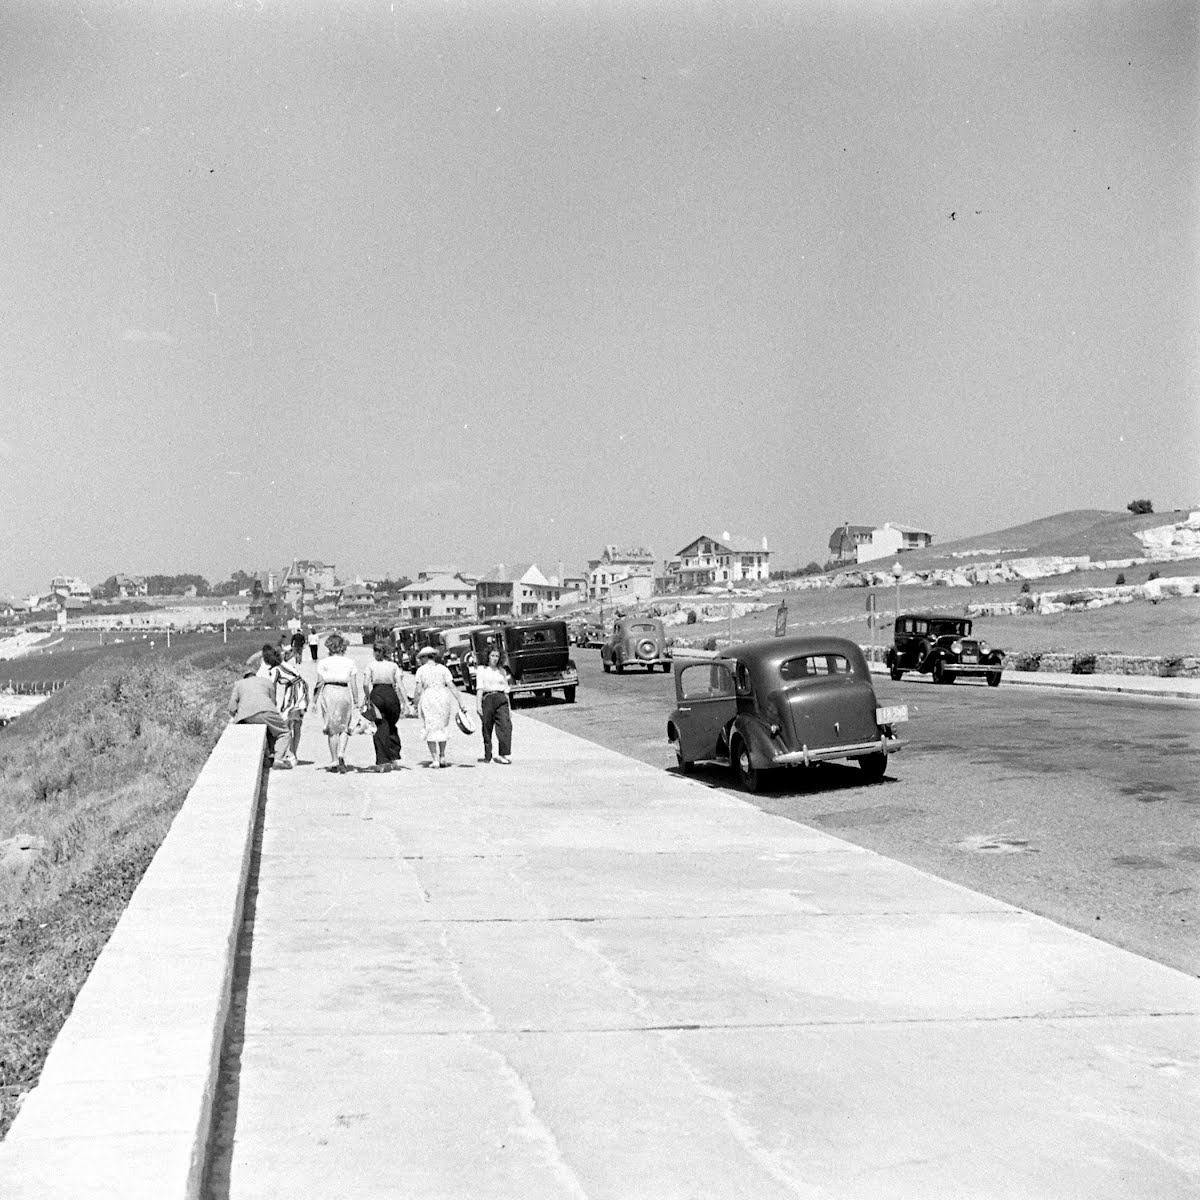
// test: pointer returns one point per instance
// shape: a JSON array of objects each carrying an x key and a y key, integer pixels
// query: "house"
[
  {"x": 70, "y": 585},
  {"x": 891, "y": 539},
  {"x": 709, "y": 560},
  {"x": 630, "y": 570},
  {"x": 520, "y": 591},
  {"x": 355, "y": 597},
  {"x": 845, "y": 540},
  {"x": 437, "y": 595},
  {"x": 264, "y": 599},
  {"x": 129, "y": 586}
]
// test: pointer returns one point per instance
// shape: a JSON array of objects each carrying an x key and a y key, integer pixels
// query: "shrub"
[
  {"x": 1073, "y": 598},
  {"x": 691, "y": 616},
  {"x": 1027, "y": 603},
  {"x": 1171, "y": 666},
  {"x": 710, "y": 643},
  {"x": 1120, "y": 581},
  {"x": 1137, "y": 507},
  {"x": 1084, "y": 663},
  {"x": 1025, "y": 588},
  {"x": 1152, "y": 575},
  {"x": 1025, "y": 660}
]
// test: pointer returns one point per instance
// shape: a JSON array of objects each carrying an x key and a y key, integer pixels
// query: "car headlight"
[
  {"x": 984, "y": 648},
  {"x": 956, "y": 647}
]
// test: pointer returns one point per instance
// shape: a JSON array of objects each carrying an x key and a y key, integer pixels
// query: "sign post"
[
  {"x": 871, "y": 620},
  {"x": 781, "y": 616}
]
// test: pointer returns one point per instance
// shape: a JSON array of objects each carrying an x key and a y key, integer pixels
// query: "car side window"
[
  {"x": 705, "y": 681},
  {"x": 813, "y": 666}
]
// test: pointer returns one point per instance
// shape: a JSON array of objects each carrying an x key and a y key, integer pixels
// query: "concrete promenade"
[{"x": 580, "y": 976}]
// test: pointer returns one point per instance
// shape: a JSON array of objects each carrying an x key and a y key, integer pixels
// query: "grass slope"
[{"x": 98, "y": 771}]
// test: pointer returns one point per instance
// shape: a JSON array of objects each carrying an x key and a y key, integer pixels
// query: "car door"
[{"x": 706, "y": 704}]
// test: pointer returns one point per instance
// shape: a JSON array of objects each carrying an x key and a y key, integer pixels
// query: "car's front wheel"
[
  {"x": 940, "y": 674},
  {"x": 569, "y": 694},
  {"x": 874, "y": 765},
  {"x": 993, "y": 679},
  {"x": 749, "y": 777},
  {"x": 895, "y": 674}
]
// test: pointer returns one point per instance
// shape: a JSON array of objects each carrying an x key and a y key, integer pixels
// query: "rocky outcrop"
[
  {"x": 1078, "y": 599},
  {"x": 1169, "y": 542}
]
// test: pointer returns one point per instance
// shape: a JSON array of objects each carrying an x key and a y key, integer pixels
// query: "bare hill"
[{"x": 1094, "y": 532}]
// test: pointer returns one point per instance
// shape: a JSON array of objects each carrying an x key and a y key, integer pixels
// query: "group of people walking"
[{"x": 272, "y": 692}]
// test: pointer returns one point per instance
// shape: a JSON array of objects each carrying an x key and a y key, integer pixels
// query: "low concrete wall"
[{"x": 123, "y": 1106}]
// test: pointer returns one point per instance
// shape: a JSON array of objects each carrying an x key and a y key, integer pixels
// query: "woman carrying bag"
[{"x": 492, "y": 704}]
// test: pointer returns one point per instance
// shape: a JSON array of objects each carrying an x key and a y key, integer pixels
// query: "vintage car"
[
  {"x": 635, "y": 642},
  {"x": 455, "y": 647},
  {"x": 589, "y": 634},
  {"x": 781, "y": 702},
  {"x": 407, "y": 646},
  {"x": 537, "y": 656},
  {"x": 933, "y": 643}
]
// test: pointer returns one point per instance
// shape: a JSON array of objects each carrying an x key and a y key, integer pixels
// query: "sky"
[{"x": 393, "y": 285}]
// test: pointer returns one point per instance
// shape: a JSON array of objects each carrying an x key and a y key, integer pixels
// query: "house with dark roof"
[
  {"x": 845, "y": 540},
  {"x": 709, "y": 560}
]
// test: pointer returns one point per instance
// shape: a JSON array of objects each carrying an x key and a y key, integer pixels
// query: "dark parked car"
[
  {"x": 943, "y": 647},
  {"x": 636, "y": 642},
  {"x": 537, "y": 655},
  {"x": 407, "y": 646},
  {"x": 456, "y": 649},
  {"x": 783, "y": 702}
]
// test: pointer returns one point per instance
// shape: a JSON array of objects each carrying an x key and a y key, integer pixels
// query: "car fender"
[{"x": 756, "y": 736}]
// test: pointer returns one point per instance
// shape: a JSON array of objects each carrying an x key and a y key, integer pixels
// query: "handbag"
[{"x": 463, "y": 722}]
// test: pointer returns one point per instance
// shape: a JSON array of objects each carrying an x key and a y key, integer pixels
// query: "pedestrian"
[
  {"x": 338, "y": 692},
  {"x": 312, "y": 642},
  {"x": 384, "y": 705},
  {"x": 297, "y": 647},
  {"x": 252, "y": 702},
  {"x": 492, "y": 704},
  {"x": 436, "y": 698},
  {"x": 291, "y": 695}
]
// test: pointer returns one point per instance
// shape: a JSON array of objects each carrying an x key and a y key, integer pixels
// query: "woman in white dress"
[
  {"x": 339, "y": 696},
  {"x": 436, "y": 699}
]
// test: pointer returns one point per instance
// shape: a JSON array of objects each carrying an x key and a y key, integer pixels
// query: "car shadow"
[{"x": 821, "y": 778}]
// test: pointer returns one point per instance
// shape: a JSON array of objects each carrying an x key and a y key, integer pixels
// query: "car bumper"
[
  {"x": 972, "y": 668},
  {"x": 806, "y": 756},
  {"x": 528, "y": 687}
]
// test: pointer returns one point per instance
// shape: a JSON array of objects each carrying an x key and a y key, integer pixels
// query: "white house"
[
  {"x": 890, "y": 540},
  {"x": 632, "y": 571},
  {"x": 520, "y": 591},
  {"x": 70, "y": 586},
  {"x": 709, "y": 560},
  {"x": 438, "y": 596}
]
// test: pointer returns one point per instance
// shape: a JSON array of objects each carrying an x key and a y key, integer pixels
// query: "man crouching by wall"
[{"x": 252, "y": 702}]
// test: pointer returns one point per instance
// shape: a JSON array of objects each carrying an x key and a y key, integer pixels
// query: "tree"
[
  {"x": 239, "y": 581},
  {"x": 1137, "y": 507}
]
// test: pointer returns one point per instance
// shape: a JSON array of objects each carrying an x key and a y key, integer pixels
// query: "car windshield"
[
  {"x": 951, "y": 628},
  {"x": 530, "y": 639}
]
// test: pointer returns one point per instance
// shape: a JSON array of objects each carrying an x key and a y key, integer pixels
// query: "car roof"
[
  {"x": 932, "y": 616},
  {"x": 772, "y": 651}
]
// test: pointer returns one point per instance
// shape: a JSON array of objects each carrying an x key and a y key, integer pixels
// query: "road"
[{"x": 1082, "y": 808}]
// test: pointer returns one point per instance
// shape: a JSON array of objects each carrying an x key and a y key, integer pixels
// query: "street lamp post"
[
  {"x": 224, "y": 621},
  {"x": 897, "y": 571}
]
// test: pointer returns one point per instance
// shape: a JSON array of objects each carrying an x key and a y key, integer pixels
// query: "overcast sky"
[{"x": 390, "y": 284}]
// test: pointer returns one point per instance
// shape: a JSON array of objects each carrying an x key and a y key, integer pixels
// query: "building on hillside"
[
  {"x": 130, "y": 586},
  {"x": 632, "y": 570},
  {"x": 845, "y": 540},
  {"x": 520, "y": 591},
  {"x": 437, "y": 595},
  {"x": 265, "y": 598},
  {"x": 315, "y": 577},
  {"x": 891, "y": 539},
  {"x": 70, "y": 585},
  {"x": 355, "y": 598},
  {"x": 708, "y": 560}
]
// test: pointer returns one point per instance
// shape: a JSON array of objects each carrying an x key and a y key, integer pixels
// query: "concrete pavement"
[{"x": 581, "y": 976}]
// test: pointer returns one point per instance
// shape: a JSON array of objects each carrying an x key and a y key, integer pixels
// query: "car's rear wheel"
[
  {"x": 749, "y": 777},
  {"x": 874, "y": 765},
  {"x": 896, "y": 675},
  {"x": 620, "y": 665},
  {"x": 685, "y": 767},
  {"x": 606, "y": 665},
  {"x": 569, "y": 694},
  {"x": 993, "y": 679}
]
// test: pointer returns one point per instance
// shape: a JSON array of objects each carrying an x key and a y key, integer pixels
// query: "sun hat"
[{"x": 427, "y": 652}]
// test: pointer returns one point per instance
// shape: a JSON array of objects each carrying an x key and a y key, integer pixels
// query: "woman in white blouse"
[
  {"x": 436, "y": 699},
  {"x": 339, "y": 696},
  {"x": 491, "y": 699}
]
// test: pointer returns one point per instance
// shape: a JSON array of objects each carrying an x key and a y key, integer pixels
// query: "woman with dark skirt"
[{"x": 384, "y": 706}]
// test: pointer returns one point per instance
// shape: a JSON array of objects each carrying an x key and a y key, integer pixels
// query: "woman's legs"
[
  {"x": 504, "y": 728},
  {"x": 442, "y": 754},
  {"x": 433, "y": 752}
]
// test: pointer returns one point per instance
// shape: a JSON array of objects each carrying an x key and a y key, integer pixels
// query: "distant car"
[
  {"x": 781, "y": 702},
  {"x": 590, "y": 633},
  {"x": 636, "y": 642},
  {"x": 537, "y": 656},
  {"x": 456, "y": 649},
  {"x": 941, "y": 646}
]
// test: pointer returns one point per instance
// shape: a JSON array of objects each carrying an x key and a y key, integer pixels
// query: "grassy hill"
[{"x": 1100, "y": 535}]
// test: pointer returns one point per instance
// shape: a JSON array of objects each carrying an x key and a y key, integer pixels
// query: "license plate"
[
  {"x": 892, "y": 715},
  {"x": 970, "y": 658}
]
